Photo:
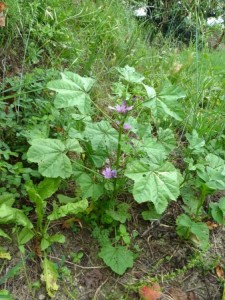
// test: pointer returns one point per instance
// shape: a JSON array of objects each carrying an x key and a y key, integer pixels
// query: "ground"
[{"x": 163, "y": 256}]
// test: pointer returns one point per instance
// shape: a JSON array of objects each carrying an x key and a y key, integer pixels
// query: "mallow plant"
[
  {"x": 119, "y": 155},
  {"x": 126, "y": 156}
]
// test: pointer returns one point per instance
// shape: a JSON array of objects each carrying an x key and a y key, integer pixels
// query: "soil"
[{"x": 175, "y": 264}]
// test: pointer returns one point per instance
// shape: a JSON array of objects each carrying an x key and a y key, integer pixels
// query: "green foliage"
[
  {"x": 198, "y": 233},
  {"x": 51, "y": 158},
  {"x": 72, "y": 91},
  {"x": 118, "y": 258},
  {"x": 217, "y": 211},
  {"x": 148, "y": 176},
  {"x": 5, "y": 295}
]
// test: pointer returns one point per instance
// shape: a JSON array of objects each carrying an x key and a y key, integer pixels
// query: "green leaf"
[
  {"x": 198, "y": 233},
  {"x": 155, "y": 151},
  {"x": 5, "y": 295},
  {"x": 218, "y": 211},
  {"x": 151, "y": 214},
  {"x": 72, "y": 91},
  {"x": 13, "y": 215},
  {"x": 73, "y": 145},
  {"x": 7, "y": 199},
  {"x": 5, "y": 235},
  {"x": 25, "y": 235},
  {"x": 124, "y": 234},
  {"x": 51, "y": 158},
  {"x": 83, "y": 83},
  {"x": 47, "y": 240},
  {"x": 212, "y": 172},
  {"x": 65, "y": 199},
  {"x": 48, "y": 187},
  {"x": 50, "y": 276},
  {"x": 117, "y": 258},
  {"x": 190, "y": 200},
  {"x": 102, "y": 135},
  {"x": 196, "y": 144},
  {"x": 154, "y": 183},
  {"x": 167, "y": 139},
  {"x": 97, "y": 157},
  {"x": 120, "y": 213},
  {"x": 129, "y": 74},
  {"x": 89, "y": 188},
  {"x": 165, "y": 102},
  {"x": 143, "y": 130},
  {"x": 68, "y": 209}
]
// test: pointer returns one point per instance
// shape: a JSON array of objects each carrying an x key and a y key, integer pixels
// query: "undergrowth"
[{"x": 94, "y": 119}]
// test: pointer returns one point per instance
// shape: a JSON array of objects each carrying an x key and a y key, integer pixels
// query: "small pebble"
[{"x": 41, "y": 297}]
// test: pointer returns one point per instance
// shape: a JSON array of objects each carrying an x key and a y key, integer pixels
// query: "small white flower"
[{"x": 141, "y": 12}]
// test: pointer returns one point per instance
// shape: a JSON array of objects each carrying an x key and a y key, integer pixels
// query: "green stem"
[
  {"x": 201, "y": 200},
  {"x": 118, "y": 155}
]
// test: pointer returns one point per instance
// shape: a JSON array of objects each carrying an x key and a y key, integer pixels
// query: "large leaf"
[
  {"x": 117, "y": 258},
  {"x": 83, "y": 83},
  {"x": 89, "y": 188},
  {"x": 165, "y": 102},
  {"x": 154, "y": 183},
  {"x": 101, "y": 135},
  {"x": 212, "y": 172},
  {"x": 13, "y": 215},
  {"x": 130, "y": 75},
  {"x": 68, "y": 209},
  {"x": 51, "y": 158},
  {"x": 50, "y": 276},
  {"x": 72, "y": 91}
]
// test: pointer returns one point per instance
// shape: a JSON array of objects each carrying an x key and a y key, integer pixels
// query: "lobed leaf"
[
  {"x": 154, "y": 183},
  {"x": 117, "y": 258}
]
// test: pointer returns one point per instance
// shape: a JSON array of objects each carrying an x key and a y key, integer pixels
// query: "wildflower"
[
  {"x": 108, "y": 173},
  {"x": 126, "y": 126},
  {"x": 122, "y": 109}
]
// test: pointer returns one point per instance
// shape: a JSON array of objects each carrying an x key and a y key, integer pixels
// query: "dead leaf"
[
  {"x": 219, "y": 272},
  {"x": 3, "y": 6},
  {"x": 211, "y": 225},
  {"x": 177, "y": 294},
  {"x": 67, "y": 223},
  {"x": 191, "y": 296},
  {"x": 2, "y": 20},
  {"x": 152, "y": 292}
]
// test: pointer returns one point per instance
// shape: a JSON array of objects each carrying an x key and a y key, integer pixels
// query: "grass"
[{"x": 93, "y": 39}]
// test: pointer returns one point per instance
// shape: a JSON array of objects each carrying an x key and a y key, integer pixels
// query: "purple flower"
[
  {"x": 126, "y": 126},
  {"x": 122, "y": 109},
  {"x": 108, "y": 173}
]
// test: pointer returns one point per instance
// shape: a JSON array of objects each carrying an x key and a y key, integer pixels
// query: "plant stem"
[
  {"x": 201, "y": 200},
  {"x": 118, "y": 151}
]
